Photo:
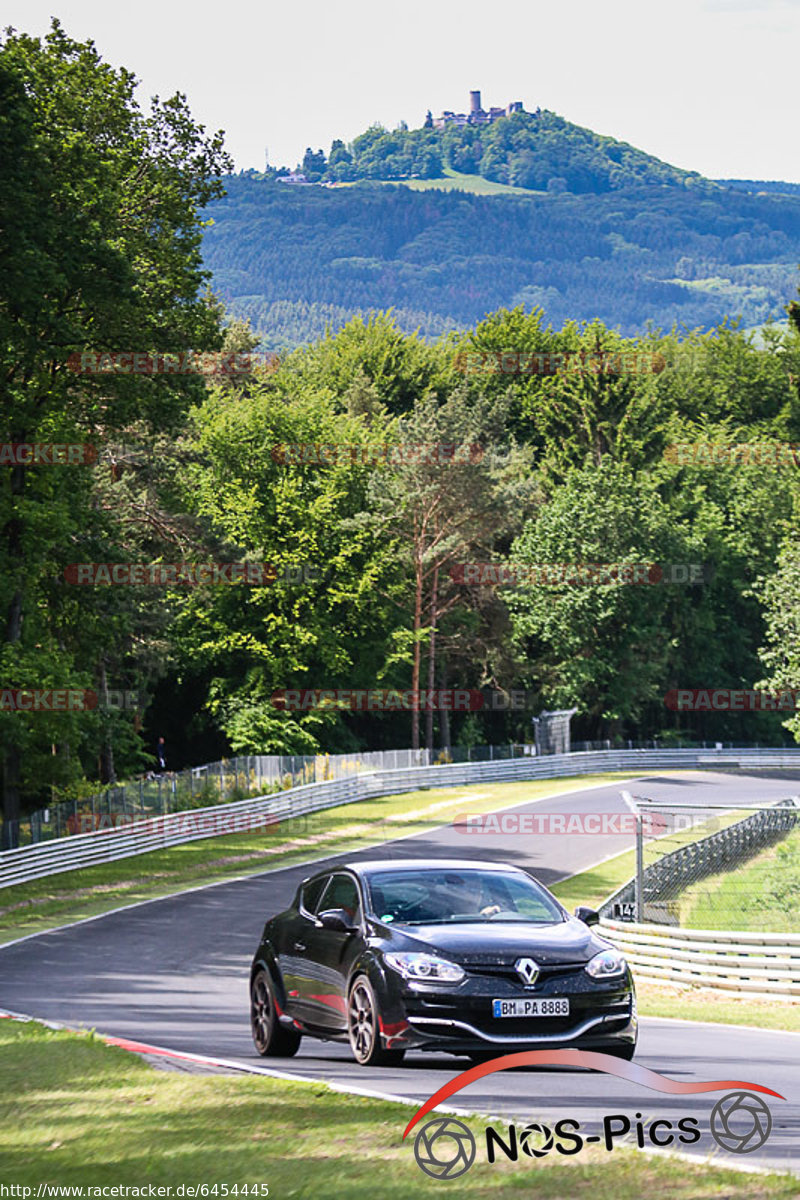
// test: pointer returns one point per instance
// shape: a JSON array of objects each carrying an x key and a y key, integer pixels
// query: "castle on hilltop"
[{"x": 476, "y": 114}]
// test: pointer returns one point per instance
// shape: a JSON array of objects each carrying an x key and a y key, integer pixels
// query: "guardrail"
[
  {"x": 155, "y": 833},
  {"x": 211, "y": 784},
  {"x": 666, "y": 878},
  {"x": 231, "y": 779},
  {"x": 757, "y": 965}
]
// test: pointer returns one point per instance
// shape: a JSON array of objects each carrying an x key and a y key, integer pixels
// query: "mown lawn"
[
  {"x": 56, "y": 899},
  {"x": 76, "y": 1112},
  {"x": 761, "y": 895}
]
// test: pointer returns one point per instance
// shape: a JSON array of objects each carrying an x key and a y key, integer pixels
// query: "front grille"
[{"x": 507, "y": 971}]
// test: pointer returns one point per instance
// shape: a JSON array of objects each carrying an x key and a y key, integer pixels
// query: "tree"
[
  {"x": 445, "y": 501},
  {"x": 399, "y": 367},
  {"x": 275, "y": 482},
  {"x": 103, "y": 203},
  {"x": 313, "y": 164},
  {"x": 780, "y": 654},
  {"x": 602, "y": 646},
  {"x": 339, "y": 154},
  {"x": 598, "y": 396}
]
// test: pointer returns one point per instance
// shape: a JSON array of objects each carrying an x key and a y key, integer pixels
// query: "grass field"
[
  {"x": 76, "y": 1112},
  {"x": 453, "y": 181},
  {"x": 34, "y": 907},
  {"x": 763, "y": 894}
]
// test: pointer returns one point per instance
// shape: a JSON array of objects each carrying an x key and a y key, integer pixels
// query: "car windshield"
[{"x": 436, "y": 897}]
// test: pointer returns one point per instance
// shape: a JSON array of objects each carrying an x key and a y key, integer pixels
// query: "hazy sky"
[{"x": 709, "y": 85}]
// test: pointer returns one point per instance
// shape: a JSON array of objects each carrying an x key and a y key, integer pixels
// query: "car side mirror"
[
  {"x": 336, "y": 919},
  {"x": 587, "y": 915}
]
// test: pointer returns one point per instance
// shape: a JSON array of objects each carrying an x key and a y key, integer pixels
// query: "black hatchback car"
[{"x": 472, "y": 958}]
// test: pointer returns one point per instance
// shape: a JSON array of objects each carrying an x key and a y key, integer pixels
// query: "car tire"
[
  {"x": 271, "y": 1040},
  {"x": 363, "y": 1027}
]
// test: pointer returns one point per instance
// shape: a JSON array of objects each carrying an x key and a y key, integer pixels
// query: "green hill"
[
  {"x": 457, "y": 181},
  {"x": 296, "y": 260},
  {"x": 446, "y": 224},
  {"x": 538, "y": 151}
]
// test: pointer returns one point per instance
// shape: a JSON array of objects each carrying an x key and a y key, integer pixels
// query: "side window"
[
  {"x": 311, "y": 892},
  {"x": 342, "y": 892}
]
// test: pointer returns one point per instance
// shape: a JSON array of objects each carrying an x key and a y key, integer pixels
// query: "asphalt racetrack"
[{"x": 174, "y": 973}]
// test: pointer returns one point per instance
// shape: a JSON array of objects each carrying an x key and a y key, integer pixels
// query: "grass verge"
[
  {"x": 76, "y": 1112},
  {"x": 657, "y": 999},
  {"x": 763, "y": 894},
  {"x": 59, "y": 899}
]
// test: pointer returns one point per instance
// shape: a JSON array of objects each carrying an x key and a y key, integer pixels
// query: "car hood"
[{"x": 498, "y": 942}]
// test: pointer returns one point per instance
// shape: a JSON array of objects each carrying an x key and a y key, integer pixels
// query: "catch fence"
[
  {"x": 713, "y": 866},
  {"x": 143, "y": 832}
]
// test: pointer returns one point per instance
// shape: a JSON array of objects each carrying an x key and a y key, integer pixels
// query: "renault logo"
[{"x": 527, "y": 970}]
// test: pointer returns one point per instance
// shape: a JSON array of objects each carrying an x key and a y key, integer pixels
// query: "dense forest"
[
  {"x": 367, "y": 468},
  {"x": 296, "y": 261}
]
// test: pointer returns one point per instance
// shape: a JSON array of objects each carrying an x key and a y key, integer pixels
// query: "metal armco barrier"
[
  {"x": 757, "y": 965},
  {"x": 154, "y": 833}
]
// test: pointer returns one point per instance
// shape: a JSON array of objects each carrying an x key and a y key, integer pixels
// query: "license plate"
[{"x": 540, "y": 1006}]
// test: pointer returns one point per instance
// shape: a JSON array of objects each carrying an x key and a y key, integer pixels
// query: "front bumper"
[{"x": 460, "y": 1019}]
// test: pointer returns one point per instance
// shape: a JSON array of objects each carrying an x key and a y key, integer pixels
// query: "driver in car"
[{"x": 473, "y": 897}]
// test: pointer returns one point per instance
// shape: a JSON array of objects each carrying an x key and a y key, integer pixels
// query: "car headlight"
[
  {"x": 608, "y": 964},
  {"x": 425, "y": 966}
]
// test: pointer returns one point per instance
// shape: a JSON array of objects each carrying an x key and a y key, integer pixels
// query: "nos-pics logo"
[{"x": 445, "y": 1148}]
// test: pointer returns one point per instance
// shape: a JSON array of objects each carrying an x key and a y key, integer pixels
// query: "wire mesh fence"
[
  {"x": 240, "y": 778},
  {"x": 714, "y": 867}
]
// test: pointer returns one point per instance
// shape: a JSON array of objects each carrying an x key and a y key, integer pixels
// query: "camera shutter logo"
[
  {"x": 740, "y": 1122},
  {"x": 536, "y": 1140},
  {"x": 527, "y": 970},
  {"x": 444, "y": 1148}
]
